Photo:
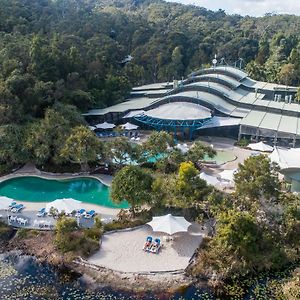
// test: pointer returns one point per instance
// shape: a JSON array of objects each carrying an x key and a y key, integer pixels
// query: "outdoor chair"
[
  {"x": 148, "y": 244},
  {"x": 90, "y": 214},
  {"x": 41, "y": 213},
  {"x": 17, "y": 208}
]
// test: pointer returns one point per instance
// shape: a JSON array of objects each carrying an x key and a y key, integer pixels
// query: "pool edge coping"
[{"x": 53, "y": 176}]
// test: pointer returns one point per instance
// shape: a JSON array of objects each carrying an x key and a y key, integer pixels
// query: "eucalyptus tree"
[
  {"x": 81, "y": 147},
  {"x": 132, "y": 184}
]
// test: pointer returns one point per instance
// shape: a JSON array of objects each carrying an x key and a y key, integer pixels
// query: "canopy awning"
[
  {"x": 129, "y": 126},
  {"x": 212, "y": 180},
  {"x": 64, "y": 205},
  {"x": 169, "y": 224},
  {"x": 92, "y": 127},
  {"x": 5, "y": 202},
  {"x": 261, "y": 146},
  {"x": 286, "y": 158},
  {"x": 184, "y": 148},
  {"x": 228, "y": 175},
  {"x": 105, "y": 125}
]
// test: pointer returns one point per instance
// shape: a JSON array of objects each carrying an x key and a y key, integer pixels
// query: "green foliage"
[
  {"x": 70, "y": 239},
  {"x": 190, "y": 190},
  {"x": 132, "y": 184},
  {"x": 81, "y": 147},
  {"x": 198, "y": 151},
  {"x": 157, "y": 143},
  {"x": 120, "y": 151},
  {"x": 257, "y": 178},
  {"x": 117, "y": 225},
  {"x": 243, "y": 142},
  {"x": 5, "y": 232}
]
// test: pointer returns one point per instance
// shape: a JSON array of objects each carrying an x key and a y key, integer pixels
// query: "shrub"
[{"x": 117, "y": 225}]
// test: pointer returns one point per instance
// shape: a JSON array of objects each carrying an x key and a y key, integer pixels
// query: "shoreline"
[{"x": 98, "y": 276}]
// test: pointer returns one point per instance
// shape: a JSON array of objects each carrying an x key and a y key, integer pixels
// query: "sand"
[{"x": 123, "y": 251}]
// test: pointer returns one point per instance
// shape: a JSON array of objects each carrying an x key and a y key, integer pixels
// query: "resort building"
[{"x": 221, "y": 100}]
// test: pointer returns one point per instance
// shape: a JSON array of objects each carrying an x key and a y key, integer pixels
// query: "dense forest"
[{"x": 61, "y": 57}]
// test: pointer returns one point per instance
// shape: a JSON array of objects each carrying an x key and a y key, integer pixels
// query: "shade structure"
[
  {"x": 169, "y": 224},
  {"x": 129, "y": 126},
  {"x": 212, "y": 180},
  {"x": 105, "y": 125},
  {"x": 261, "y": 146},
  {"x": 228, "y": 175},
  {"x": 183, "y": 148},
  {"x": 66, "y": 205},
  {"x": 5, "y": 202},
  {"x": 92, "y": 127},
  {"x": 286, "y": 158}
]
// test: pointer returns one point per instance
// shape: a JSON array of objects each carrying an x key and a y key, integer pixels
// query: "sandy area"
[{"x": 123, "y": 251}]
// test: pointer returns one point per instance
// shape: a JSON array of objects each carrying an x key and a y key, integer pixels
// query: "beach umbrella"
[
  {"x": 67, "y": 205},
  {"x": 169, "y": 224},
  {"x": 5, "y": 202},
  {"x": 105, "y": 125},
  {"x": 92, "y": 127},
  {"x": 129, "y": 126},
  {"x": 261, "y": 146},
  {"x": 212, "y": 180}
]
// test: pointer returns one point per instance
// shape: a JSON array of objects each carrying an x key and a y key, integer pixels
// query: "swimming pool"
[
  {"x": 294, "y": 178},
  {"x": 221, "y": 157},
  {"x": 36, "y": 189}
]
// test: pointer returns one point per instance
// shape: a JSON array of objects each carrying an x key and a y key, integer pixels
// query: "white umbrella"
[
  {"x": 105, "y": 125},
  {"x": 66, "y": 205},
  {"x": 129, "y": 126},
  {"x": 228, "y": 174},
  {"x": 261, "y": 146},
  {"x": 5, "y": 202},
  {"x": 209, "y": 179},
  {"x": 184, "y": 148},
  {"x": 169, "y": 224},
  {"x": 92, "y": 127}
]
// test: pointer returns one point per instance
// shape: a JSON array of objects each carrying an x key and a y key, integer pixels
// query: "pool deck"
[{"x": 31, "y": 208}]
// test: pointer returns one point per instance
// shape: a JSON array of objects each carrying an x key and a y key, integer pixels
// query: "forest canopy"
[{"x": 89, "y": 53}]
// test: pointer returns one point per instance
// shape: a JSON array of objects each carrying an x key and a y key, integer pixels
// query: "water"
[
  {"x": 22, "y": 277},
  {"x": 221, "y": 157},
  {"x": 35, "y": 189}
]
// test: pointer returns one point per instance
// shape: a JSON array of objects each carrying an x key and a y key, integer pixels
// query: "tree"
[
  {"x": 12, "y": 144},
  {"x": 198, "y": 151},
  {"x": 81, "y": 147},
  {"x": 120, "y": 152},
  {"x": 256, "y": 178},
  {"x": 157, "y": 144},
  {"x": 45, "y": 138},
  {"x": 132, "y": 184},
  {"x": 63, "y": 234},
  {"x": 287, "y": 74},
  {"x": 190, "y": 189},
  {"x": 297, "y": 98}
]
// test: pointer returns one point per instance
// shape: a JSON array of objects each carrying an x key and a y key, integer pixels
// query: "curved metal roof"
[{"x": 179, "y": 111}]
